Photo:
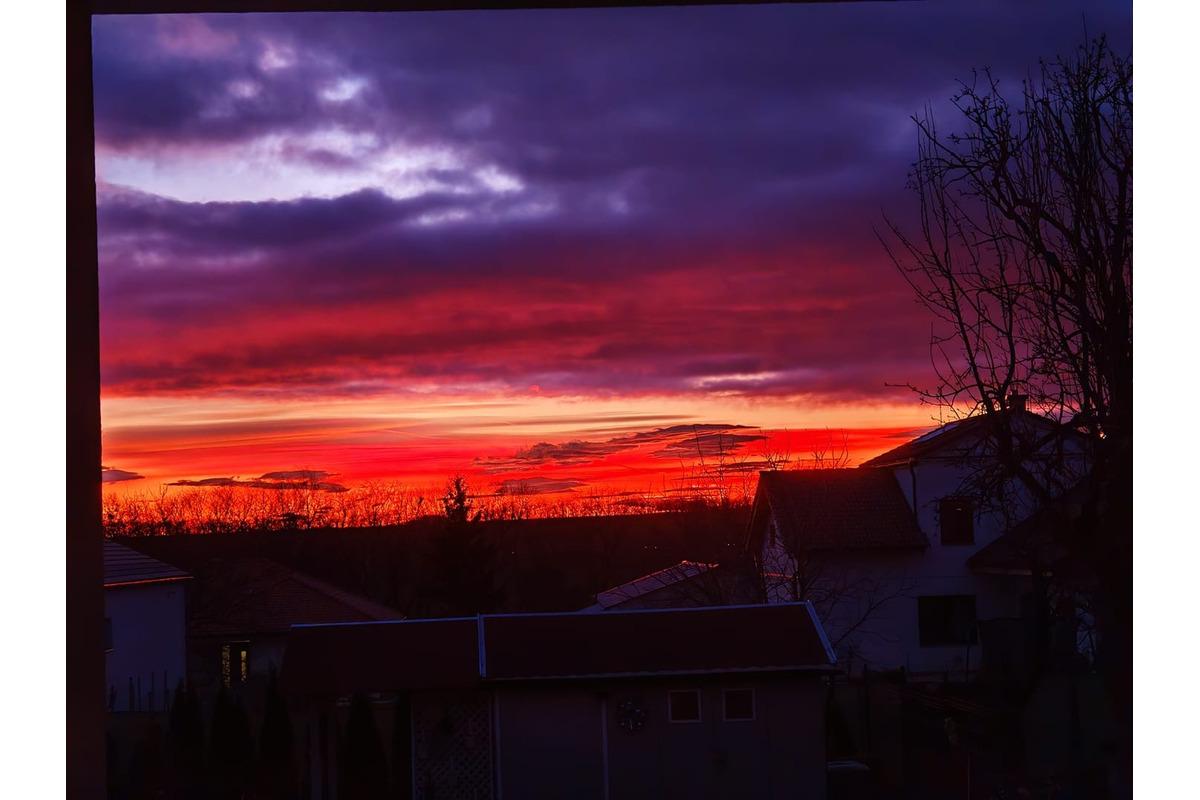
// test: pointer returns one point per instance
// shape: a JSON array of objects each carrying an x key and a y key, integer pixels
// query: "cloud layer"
[{"x": 623, "y": 203}]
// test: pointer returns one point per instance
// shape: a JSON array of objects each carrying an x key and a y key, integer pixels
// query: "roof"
[
  {"x": 664, "y": 578},
  {"x": 124, "y": 566},
  {"x": 242, "y": 596},
  {"x": 463, "y": 653},
  {"x": 837, "y": 509},
  {"x": 942, "y": 441},
  {"x": 1037, "y": 542},
  {"x": 374, "y": 657}
]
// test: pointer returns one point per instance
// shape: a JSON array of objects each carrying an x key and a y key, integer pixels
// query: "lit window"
[
  {"x": 739, "y": 705},
  {"x": 684, "y": 706},
  {"x": 956, "y": 516},
  {"x": 235, "y": 663}
]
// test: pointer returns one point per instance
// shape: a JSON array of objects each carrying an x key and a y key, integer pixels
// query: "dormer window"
[{"x": 956, "y": 516}]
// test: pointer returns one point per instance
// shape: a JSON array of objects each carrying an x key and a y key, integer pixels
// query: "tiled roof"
[
  {"x": 257, "y": 595},
  {"x": 124, "y": 566},
  {"x": 834, "y": 509},
  {"x": 684, "y": 570},
  {"x": 341, "y": 659}
]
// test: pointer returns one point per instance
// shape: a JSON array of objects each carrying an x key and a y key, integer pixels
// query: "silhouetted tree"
[
  {"x": 230, "y": 749},
  {"x": 144, "y": 778},
  {"x": 402, "y": 747},
  {"x": 186, "y": 734},
  {"x": 112, "y": 767},
  {"x": 463, "y": 559},
  {"x": 1024, "y": 256},
  {"x": 364, "y": 775},
  {"x": 456, "y": 500},
  {"x": 276, "y": 762}
]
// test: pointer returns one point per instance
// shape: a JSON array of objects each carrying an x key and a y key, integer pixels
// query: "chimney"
[{"x": 1016, "y": 401}]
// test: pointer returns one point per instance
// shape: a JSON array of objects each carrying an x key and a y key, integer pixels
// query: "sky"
[{"x": 557, "y": 249}]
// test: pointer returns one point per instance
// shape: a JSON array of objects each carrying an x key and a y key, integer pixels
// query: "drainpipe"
[{"x": 912, "y": 472}]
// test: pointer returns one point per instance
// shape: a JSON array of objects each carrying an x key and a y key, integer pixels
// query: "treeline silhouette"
[
  {"x": 301, "y": 505},
  {"x": 436, "y": 566}
]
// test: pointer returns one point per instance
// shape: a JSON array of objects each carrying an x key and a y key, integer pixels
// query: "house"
[
  {"x": 242, "y": 610},
  {"x": 686, "y": 703},
  {"x": 145, "y": 651},
  {"x": 886, "y": 551}
]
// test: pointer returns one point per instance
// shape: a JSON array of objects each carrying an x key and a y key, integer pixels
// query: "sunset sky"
[{"x": 570, "y": 248}]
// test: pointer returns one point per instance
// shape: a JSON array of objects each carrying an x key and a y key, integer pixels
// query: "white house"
[
  {"x": 144, "y": 629},
  {"x": 882, "y": 550}
]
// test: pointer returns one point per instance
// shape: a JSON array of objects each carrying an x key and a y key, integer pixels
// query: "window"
[
  {"x": 108, "y": 634},
  {"x": 957, "y": 518},
  {"x": 739, "y": 705},
  {"x": 235, "y": 663},
  {"x": 684, "y": 706},
  {"x": 946, "y": 620}
]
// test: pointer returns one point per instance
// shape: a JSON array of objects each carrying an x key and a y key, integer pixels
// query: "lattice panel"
[{"x": 452, "y": 746}]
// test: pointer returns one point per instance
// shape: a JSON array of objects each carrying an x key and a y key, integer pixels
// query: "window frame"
[
  {"x": 957, "y": 515},
  {"x": 671, "y": 719},
  {"x": 235, "y": 663},
  {"x": 925, "y": 638},
  {"x": 725, "y": 704}
]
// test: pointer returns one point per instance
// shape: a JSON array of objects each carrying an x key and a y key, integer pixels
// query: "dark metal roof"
[
  {"x": 124, "y": 566},
  {"x": 382, "y": 656},
  {"x": 675, "y": 641},
  {"x": 460, "y": 653},
  {"x": 684, "y": 570},
  {"x": 836, "y": 509}
]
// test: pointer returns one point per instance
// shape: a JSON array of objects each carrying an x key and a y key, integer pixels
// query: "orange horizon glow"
[{"x": 355, "y": 443}]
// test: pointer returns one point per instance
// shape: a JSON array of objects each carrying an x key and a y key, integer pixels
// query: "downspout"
[{"x": 912, "y": 472}]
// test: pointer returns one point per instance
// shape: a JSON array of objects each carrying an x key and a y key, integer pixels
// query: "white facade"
[
  {"x": 145, "y": 647},
  {"x": 873, "y": 601}
]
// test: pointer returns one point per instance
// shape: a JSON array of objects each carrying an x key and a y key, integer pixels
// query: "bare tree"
[
  {"x": 849, "y": 593},
  {"x": 831, "y": 454},
  {"x": 1023, "y": 256}
]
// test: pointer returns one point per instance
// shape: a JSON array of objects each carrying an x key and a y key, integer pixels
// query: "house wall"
[
  {"x": 549, "y": 739},
  {"x": 867, "y": 600},
  {"x": 148, "y": 644},
  {"x": 204, "y": 664},
  {"x": 553, "y": 742}
]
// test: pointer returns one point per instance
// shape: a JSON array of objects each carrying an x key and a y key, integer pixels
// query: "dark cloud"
[
  {"x": 114, "y": 475},
  {"x": 566, "y": 454},
  {"x": 678, "y": 442},
  {"x": 288, "y": 479},
  {"x": 687, "y": 442},
  {"x": 537, "y": 485},
  {"x": 691, "y": 210},
  {"x": 308, "y": 476}
]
